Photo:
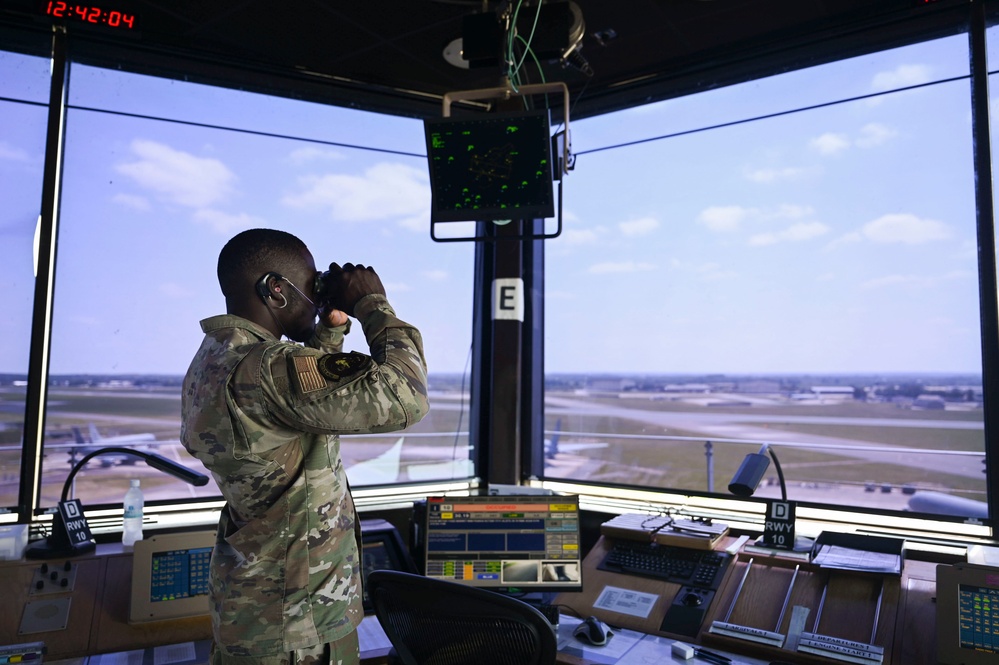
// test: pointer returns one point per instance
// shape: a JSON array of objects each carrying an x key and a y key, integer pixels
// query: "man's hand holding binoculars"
[{"x": 342, "y": 287}]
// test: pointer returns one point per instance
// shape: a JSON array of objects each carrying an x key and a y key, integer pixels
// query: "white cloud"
[
  {"x": 793, "y": 233},
  {"x": 579, "y": 236},
  {"x": 435, "y": 275},
  {"x": 891, "y": 280},
  {"x": 561, "y": 295},
  {"x": 905, "y": 228},
  {"x": 223, "y": 222},
  {"x": 419, "y": 223},
  {"x": 968, "y": 251},
  {"x": 774, "y": 175},
  {"x": 960, "y": 275},
  {"x": 178, "y": 177},
  {"x": 730, "y": 219},
  {"x": 791, "y": 211},
  {"x": 396, "y": 287},
  {"x": 870, "y": 135},
  {"x": 132, "y": 201},
  {"x": 710, "y": 272},
  {"x": 921, "y": 281},
  {"x": 620, "y": 267},
  {"x": 830, "y": 143},
  {"x": 722, "y": 219},
  {"x": 845, "y": 239},
  {"x": 385, "y": 190},
  {"x": 874, "y": 134},
  {"x": 313, "y": 153},
  {"x": 900, "y": 77},
  {"x": 12, "y": 154},
  {"x": 714, "y": 272},
  {"x": 639, "y": 227}
]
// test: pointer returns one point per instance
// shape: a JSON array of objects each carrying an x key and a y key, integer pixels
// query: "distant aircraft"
[
  {"x": 387, "y": 467},
  {"x": 378, "y": 470},
  {"x": 939, "y": 503},
  {"x": 553, "y": 447},
  {"x": 82, "y": 447}
]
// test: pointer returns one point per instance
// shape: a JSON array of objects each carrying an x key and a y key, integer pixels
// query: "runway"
[{"x": 734, "y": 427}]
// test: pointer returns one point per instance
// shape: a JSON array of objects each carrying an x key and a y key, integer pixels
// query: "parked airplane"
[
  {"x": 378, "y": 470},
  {"x": 82, "y": 447},
  {"x": 940, "y": 503},
  {"x": 387, "y": 467},
  {"x": 553, "y": 447}
]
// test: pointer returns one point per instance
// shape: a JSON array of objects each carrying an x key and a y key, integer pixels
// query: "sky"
[{"x": 838, "y": 239}]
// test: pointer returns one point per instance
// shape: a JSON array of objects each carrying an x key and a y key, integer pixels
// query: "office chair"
[{"x": 435, "y": 622}]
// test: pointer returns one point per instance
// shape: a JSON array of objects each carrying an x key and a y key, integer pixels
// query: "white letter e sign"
[{"x": 508, "y": 299}]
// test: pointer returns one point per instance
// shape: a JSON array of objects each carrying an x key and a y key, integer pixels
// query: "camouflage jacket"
[{"x": 264, "y": 417}]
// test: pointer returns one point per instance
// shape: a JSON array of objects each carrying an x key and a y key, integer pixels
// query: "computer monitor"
[
  {"x": 170, "y": 576},
  {"x": 489, "y": 167},
  {"x": 381, "y": 549},
  {"x": 967, "y": 614},
  {"x": 523, "y": 542}
]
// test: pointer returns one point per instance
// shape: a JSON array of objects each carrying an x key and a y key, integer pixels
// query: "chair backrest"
[{"x": 435, "y": 622}]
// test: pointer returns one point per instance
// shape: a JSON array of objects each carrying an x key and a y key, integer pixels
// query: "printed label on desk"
[
  {"x": 747, "y": 633},
  {"x": 626, "y": 601},
  {"x": 841, "y": 649}
]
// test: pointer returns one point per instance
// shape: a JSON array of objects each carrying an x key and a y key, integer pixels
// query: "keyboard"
[{"x": 700, "y": 568}]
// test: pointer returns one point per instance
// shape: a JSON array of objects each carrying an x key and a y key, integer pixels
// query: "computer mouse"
[{"x": 593, "y": 631}]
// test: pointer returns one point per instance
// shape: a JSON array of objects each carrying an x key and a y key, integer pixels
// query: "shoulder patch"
[
  {"x": 308, "y": 373},
  {"x": 338, "y": 366}
]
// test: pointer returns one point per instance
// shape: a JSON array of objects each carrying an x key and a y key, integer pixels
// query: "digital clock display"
[{"x": 92, "y": 14}]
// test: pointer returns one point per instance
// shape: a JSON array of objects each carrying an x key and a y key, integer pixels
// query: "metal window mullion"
[
  {"x": 41, "y": 324},
  {"x": 985, "y": 218}
]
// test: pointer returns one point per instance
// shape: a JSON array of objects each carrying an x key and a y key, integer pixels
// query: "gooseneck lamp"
[
  {"x": 750, "y": 473},
  {"x": 778, "y": 523},
  {"x": 61, "y": 543}
]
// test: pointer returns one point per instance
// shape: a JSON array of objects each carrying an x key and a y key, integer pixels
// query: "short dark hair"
[{"x": 250, "y": 254}]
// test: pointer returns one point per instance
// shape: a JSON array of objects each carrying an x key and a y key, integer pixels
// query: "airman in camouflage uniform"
[{"x": 264, "y": 415}]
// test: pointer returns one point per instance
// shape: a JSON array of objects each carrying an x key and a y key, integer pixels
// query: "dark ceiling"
[{"x": 388, "y": 55}]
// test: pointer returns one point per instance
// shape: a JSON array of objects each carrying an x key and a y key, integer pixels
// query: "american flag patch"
[{"x": 308, "y": 374}]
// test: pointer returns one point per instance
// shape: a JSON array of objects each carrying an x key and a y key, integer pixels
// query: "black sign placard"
[
  {"x": 778, "y": 529},
  {"x": 77, "y": 529}
]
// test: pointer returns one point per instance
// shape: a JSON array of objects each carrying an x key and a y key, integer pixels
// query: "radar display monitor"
[
  {"x": 523, "y": 542},
  {"x": 490, "y": 167},
  {"x": 967, "y": 614},
  {"x": 170, "y": 576},
  {"x": 381, "y": 549}
]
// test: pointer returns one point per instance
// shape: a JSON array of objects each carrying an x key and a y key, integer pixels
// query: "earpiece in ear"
[{"x": 263, "y": 288}]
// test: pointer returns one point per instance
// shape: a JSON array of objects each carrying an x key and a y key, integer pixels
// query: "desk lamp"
[
  {"x": 71, "y": 539},
  {"x": 750, "y": 473},
  {"x": 778, "y": 526}
]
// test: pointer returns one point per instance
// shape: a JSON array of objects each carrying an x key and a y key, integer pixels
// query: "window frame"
[{"x": 522, "y": 438}]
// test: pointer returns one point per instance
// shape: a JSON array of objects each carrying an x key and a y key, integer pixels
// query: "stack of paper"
[
  {"x": 665, "y": 530},
  {"x": 846, "y": 558}
]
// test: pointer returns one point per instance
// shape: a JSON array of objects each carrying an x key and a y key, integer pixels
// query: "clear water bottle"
[{"x": 133, "y": 515}]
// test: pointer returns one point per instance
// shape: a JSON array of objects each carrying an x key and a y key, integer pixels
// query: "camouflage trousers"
[{"x": 344, "y": 651}]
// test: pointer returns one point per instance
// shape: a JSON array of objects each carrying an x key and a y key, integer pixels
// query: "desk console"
[{"x": 892, "y": 613}]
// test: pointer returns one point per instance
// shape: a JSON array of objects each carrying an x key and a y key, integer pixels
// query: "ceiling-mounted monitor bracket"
[{"x": 561, "y": 151}]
